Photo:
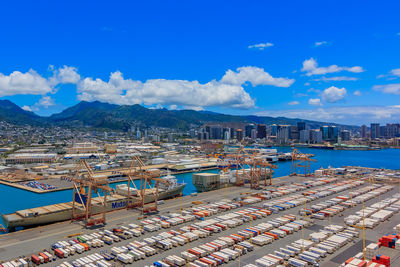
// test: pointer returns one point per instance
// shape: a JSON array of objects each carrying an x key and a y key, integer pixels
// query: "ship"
[{"x": 63, "y": 211}]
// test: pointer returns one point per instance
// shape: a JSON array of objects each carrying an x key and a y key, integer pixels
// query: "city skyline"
[{"x": 262, "y": 59}]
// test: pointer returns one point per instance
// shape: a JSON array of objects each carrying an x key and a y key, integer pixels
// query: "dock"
[{"x": 29, "y": 241}]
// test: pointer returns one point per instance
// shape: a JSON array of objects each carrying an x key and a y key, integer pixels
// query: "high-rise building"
[
  {"x": 226, "y": 135},
  {"x": 392, "y": 130},
  {"x": 301, "y": 125},
  {"x": 345, "y": 135},
  {"x": 333, "y": 133},
  {"x": 329, "y": 133},
  {"x": 283, "y": 134},
  {"x": 305, "y": 136},
  {"x": 316, "y": 136},
  {"x": 232, "y": 133},
  {"x": 253, "y": 134},
  {"x": 294, "y": 133},
  {"x": 216, "y": 132},
  {"x": 261, "y": 131},
  {"x": 364, "y": 131},
  {"x": 325, "y": 132},
  {"x": 239, "y": 135},
  {"x": 375, "y": 130},
  {"x": 247, "y": 130},
  {"x": 274, "y": 129}
]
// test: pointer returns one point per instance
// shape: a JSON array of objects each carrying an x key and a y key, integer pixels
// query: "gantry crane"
[
  {"x": 251, "y": 167},
  {"x": 141, "y": 200},
  {"x": 300, "y": 160},
  {"x": 91, "y": 211}
]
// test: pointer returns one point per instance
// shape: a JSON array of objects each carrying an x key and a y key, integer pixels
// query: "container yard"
[{"x": 298, "y": 221}]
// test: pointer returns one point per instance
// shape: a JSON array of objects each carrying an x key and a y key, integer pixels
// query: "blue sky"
[{"x": 335, "y": 61}]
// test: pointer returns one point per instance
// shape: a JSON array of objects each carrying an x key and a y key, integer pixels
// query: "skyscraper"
[
  {"x": 274, "y": 129},
  {"x": 364, "y": 131},
  {"x": 247, "y": 130},
  {"x": 239, "y": 134},
  {"x": 261, "y": 131},
  {"x": 325, "y": 132},
  {"x": 301, "y": 125},
  {"x": 283, "y": 134},
  {"x": 216, "y": 132},
  {"x": 375, "y": 130},
  {"x": 305, "y": 136}
]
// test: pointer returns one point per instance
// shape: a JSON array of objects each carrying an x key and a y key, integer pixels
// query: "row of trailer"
[
  {"x": 227, "y": 248},
  {"x": 375, "y": 213},
  {"x": 336, "y": 205},
  {"x": 302, "y": 252}
]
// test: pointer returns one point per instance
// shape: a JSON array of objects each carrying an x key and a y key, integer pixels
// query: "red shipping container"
[
  {"x": 45, "y": 257},
  {"x": 35, "y": 259},
  {"x": 59, "y": 253}
]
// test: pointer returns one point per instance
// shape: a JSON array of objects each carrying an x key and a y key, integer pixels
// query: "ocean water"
[{"x": 12, "y": 199}]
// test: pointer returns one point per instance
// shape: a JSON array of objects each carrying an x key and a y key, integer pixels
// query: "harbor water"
[{"x": 13, "y": 199}]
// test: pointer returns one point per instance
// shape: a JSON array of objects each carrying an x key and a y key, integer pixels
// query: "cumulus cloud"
[
  {"x": 315, "y": 102},
  {"x": 65, "y": 75},
  {"x": 260, "y": 46},
  {"x": 293, "y": 103},
  {"x": 32, "y": 83},
  {"x": 347, "y": 115},
  {"x": 28, "y": 83},
  {"x": 392, "y": 88},
  {"x": 357, "y": 93},
  {"x": 228, "y": 92},
  {"x": 320, "y": 43},
  {"x": 310, "y": 67},
  {"x": 333, "y": 94},
  {"x": 335, "y": 79},
  {"x": 254, "y": 75}
]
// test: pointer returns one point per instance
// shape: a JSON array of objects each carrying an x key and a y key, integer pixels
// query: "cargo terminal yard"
[{"x": 225, "y": 226}]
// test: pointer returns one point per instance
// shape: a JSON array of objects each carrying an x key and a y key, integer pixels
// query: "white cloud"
[
  {"x": 357, "y": 93},
  {"x": 335, "y": 79},
  {"x": 173, "y": 107},
  {"x": 260, "y": 46},
  {"x": 315, "y": 102},
  {"x": 333, "y": 94},
  {"x": 293, "y": 103},
  {"x": 254, "y": 75},
  {"x": 306, "y": 84},
  {"x": 392, "y": 88},
  {"x": 28, "y": 83},
  {"x": 32, "y": 83},
  {"x": 321, "y": 43},
  {"x": 310, "y": 66},
  {"x": 395, "y": 72},
  {"x": 348, "y": 115},
  {"x": 227, "y": 92},
  {"x": 26, "y": 108},
  {"x": 65, "y": 75},
  {"x": 46, "y": 101}
]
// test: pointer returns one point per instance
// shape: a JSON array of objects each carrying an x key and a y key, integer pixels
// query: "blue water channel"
[{"x": 13, "y": 199}]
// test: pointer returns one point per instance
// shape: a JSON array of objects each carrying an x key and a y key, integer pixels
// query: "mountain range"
[{"x": 121, "y": 117}]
